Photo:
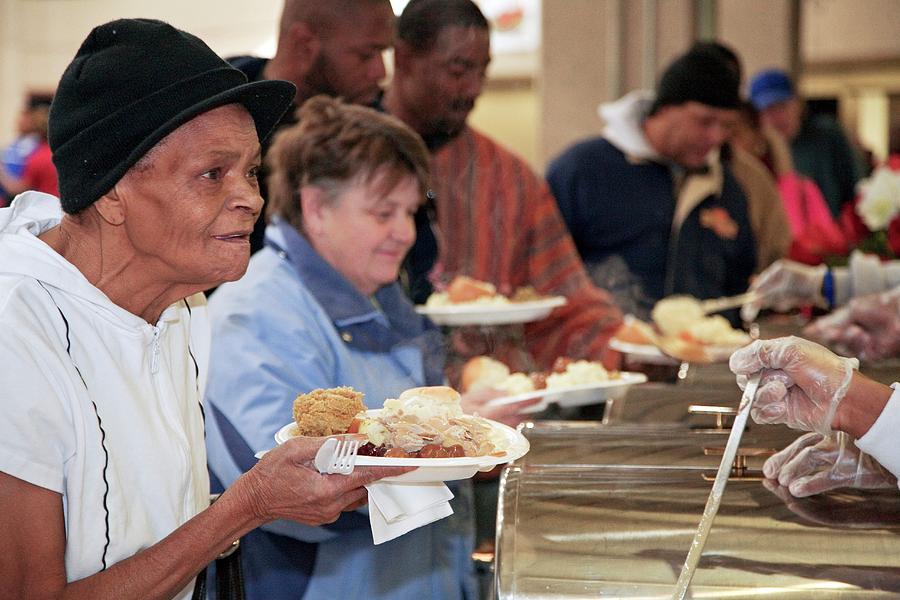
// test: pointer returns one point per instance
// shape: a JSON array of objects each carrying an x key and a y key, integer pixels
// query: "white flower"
[{"x": 880, "y": 201}]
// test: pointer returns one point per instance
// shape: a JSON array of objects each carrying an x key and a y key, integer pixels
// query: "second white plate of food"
[
  {"x": 477, "y": 313},
  {"x": 647, "y": 353},
  {"x": 513, "y": 443},
  {"x": 576, "y": 395}
]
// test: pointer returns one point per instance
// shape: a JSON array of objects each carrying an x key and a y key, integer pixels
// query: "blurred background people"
[
  {"x": 651, "y": 191},
  {"x": 320, "y": 307},
  {"x": 334, "y": 48},
  {"x": 814, "y": 233},
  {"x": 807, "y": 387},
  {"x": 26, "y": 162},
  {"x": 489, "y": 216},
  {"x": 819, "y": 147},
  {"x": 764, "y": 204}
]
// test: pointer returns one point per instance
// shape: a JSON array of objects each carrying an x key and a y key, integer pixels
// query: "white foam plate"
[
  {"x": 576, "y": 395},
  {"x": 645, "y": 352},
  {"x": 473, "y": 313},
  {"x": 438, "y": 469}
]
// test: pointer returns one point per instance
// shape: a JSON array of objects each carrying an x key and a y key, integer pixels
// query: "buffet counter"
[
  {"x": 623, "y": 532},
  {"x": 609, "y": 509}
]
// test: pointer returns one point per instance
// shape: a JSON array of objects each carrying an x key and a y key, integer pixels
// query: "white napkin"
[{"x": 396, "y": 508}]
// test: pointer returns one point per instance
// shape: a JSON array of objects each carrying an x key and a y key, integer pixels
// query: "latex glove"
[
  {"x": 784, "y": 285},
  {"x": 867, "y": 327},
  {"x": 814, "y": 463},
  {"x": 802, "y": 382}
]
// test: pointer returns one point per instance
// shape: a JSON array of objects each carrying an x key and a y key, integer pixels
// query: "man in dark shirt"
[{"x": 649, "y": 202}]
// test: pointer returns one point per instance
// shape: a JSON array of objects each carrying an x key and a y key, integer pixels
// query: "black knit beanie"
[
  {"x": 132, "y": 82},
  {"x": 700, "y": 76}
]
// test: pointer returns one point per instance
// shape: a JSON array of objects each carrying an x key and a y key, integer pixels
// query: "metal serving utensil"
[
  {"x": 718, "y": 489},
  {"x": 714, "y": 305}
]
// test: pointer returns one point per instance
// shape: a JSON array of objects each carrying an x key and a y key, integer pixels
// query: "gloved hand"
[
  {"x": 867, "y": 327},
  {"x": 784, "y": 285},
  {"x": 814, "y": 463},
  {"x": 802, "y": 382}
]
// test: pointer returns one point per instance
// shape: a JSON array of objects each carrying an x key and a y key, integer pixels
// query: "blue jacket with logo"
[{"x": 677, "y": 232}]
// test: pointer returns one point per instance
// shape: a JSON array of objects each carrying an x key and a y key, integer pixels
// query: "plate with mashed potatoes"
[
  {"x": 468, "y": 301},
  {"x": 423, "y": 427},
  {"x": 682, "y": 330},
  {"x": 568, "y": 383}
]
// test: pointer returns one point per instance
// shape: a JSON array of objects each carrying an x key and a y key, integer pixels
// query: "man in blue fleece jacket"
[{"x": 650, "y": 206}]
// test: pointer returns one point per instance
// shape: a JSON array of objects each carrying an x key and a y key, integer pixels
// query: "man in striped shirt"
[{"x": 490, "y": 216}]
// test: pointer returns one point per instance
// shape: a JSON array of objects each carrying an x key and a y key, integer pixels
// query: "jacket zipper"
[
  {"x": 154, "y": 356},
  {"x": 165, "y": 391}
]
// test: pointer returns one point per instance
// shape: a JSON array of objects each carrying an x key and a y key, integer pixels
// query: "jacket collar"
[
  {"x": 623, "y": 129},
  {"x": 696, "y": 187},
  {"x": 357, "y": 319}
]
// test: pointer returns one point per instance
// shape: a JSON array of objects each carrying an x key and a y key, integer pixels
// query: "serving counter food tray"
[
  {"x": 623, "y": 532},
  {"x": 660, "y": 446}
]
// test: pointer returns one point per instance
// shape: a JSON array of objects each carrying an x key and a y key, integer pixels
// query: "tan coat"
[{"x": 766, "y": 209}]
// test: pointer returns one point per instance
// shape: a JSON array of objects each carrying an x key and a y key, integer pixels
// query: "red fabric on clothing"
[
  {"x": 498, "y": 222},
  {"x": 39, "y": 173},
  {"x": 816, "y": 234},
  {"x": 853, "y": 227}
]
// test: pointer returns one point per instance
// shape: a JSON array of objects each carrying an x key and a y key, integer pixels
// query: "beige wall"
[
  {"x": 40, "y": 38},
  {"x": 759, "y": 31},
  {"x": 574, "y": 71},
  {"x": 580, "y": 68},
  {"x": 844, "y": 30}
]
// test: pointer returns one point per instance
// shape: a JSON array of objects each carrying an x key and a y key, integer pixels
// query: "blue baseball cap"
[{"x": 770, "y": 87}]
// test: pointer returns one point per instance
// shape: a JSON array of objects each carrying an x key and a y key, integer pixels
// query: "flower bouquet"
[{"x": 872, "y": 222}]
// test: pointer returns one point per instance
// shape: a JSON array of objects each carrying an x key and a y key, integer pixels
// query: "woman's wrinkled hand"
[{"x": 286, "y": 485}]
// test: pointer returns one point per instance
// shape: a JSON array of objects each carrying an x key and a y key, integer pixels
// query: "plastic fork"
[{"x": 337, "y": 456}]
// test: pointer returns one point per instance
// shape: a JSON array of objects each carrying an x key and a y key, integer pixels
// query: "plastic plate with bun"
[
  {"x": 514, "y": 444},
  {"x": 474, "y": 313}
]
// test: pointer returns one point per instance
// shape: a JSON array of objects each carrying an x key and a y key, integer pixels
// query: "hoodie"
[
  {"x": 99, "y": 405},
  {"x": 677, "y": 232}
]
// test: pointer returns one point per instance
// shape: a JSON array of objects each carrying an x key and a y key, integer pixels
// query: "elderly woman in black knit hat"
[{"x": 104, "y": 491}]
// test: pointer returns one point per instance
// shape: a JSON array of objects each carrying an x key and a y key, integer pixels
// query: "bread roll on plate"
[
  {"x": 482, "y": 372},
  {"x": 466, "y": 289}
]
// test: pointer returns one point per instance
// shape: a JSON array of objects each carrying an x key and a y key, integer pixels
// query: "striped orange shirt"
[{"x": 498, "y": 222}]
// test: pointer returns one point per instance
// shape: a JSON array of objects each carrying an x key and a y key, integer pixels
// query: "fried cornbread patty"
[{"x": 327, "y": 411}]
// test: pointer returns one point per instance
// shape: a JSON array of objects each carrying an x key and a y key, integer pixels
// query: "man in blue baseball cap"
[{"x": 819, "y": 145}]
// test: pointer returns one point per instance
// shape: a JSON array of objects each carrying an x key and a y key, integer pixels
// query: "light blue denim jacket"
[{"x": 290, "y": 325}]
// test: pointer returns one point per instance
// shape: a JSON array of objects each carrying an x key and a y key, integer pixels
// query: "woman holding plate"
[{"x": 320, "y": 307}]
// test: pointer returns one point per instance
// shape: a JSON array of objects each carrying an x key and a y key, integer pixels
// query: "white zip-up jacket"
[{"x": 97, "y": 404}]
